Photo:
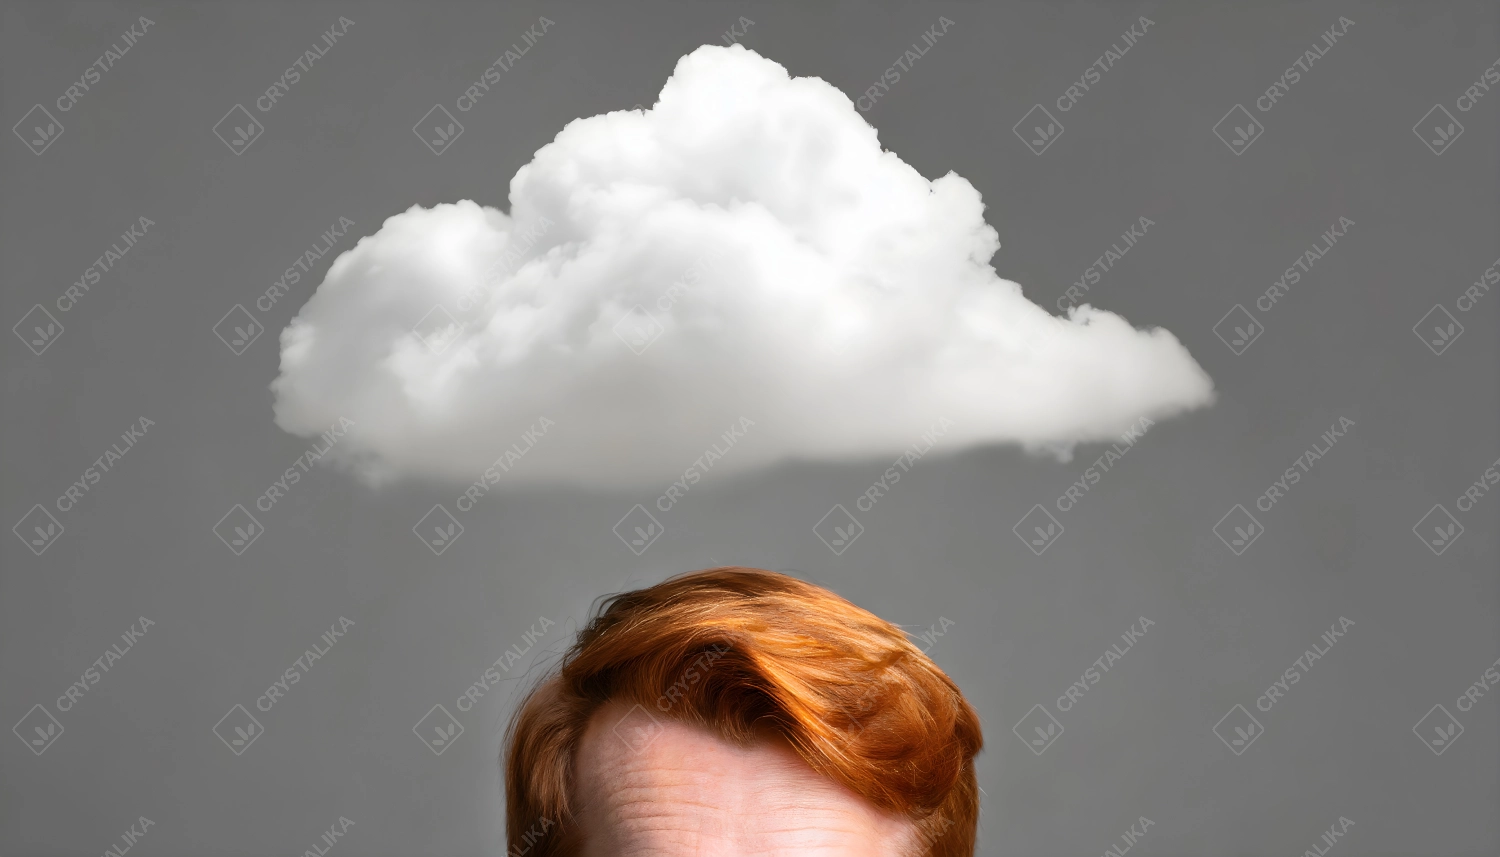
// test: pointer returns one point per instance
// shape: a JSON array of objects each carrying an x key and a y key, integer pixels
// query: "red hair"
[{"x": 854, "y": 697}]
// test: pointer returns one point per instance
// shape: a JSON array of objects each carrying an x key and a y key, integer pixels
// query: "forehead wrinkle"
[{"x": 689, "y": 790}]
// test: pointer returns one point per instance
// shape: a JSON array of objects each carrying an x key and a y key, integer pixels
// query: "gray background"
[{"x": 940, "y": 546}]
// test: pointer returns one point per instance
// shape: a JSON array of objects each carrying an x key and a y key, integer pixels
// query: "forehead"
[{"x": 678, "y": 790}]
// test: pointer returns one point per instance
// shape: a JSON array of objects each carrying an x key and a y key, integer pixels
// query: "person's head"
[{"x": 736, "y": 711}]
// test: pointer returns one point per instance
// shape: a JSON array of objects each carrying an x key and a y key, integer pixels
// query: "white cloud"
[{"x": 800, "y": 276}]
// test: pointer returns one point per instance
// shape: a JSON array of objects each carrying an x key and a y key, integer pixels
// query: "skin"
[{"x": 690, "y": 794}]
